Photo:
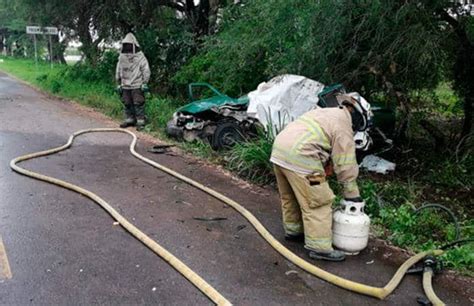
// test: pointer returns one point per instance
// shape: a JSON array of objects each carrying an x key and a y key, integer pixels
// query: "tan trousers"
[{"x": 306, "y": 205}]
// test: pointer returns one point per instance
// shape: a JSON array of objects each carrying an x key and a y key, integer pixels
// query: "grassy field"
[
  {"x": 56, "y": 81},
  {"x": 69, "y": 83},
  {"x": 391, "y": 199}
]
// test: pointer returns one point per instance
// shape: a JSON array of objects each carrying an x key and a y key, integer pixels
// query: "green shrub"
[
  {"x": 103, "y": 72},
  {"x": 42, "y": 78},
  {"x": 451, "y": 172},
  {"x": 370, "y": 193},
  {"x": 427, "y": 230},
  {"x": 251, "y": 159},
  {"x": 55, "y": 86},
  {"x": 159, "y": 112}
]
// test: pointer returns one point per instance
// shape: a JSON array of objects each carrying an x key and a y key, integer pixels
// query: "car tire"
[
  {"x": 173, "y": 130},
  {"x": 226, "y": 135}
]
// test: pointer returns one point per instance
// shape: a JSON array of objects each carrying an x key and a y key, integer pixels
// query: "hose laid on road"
[
  {"x": 377, "y": 292},
  {"x": 194, "y": 278}
]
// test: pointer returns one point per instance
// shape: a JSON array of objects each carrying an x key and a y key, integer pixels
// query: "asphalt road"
[{"x": 64, "y": 249}]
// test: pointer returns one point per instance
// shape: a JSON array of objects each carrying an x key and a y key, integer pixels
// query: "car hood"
[{"x": 210, "y": 103}]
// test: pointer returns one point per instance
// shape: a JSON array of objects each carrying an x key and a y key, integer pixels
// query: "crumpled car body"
[
  {"x": 220, "y": 119},
  {"x": 223, "y": 120}
]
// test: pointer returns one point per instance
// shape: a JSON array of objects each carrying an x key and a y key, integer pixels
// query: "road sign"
[
  {"x": 39, "y": 30},
  {"x": 50, "y": 30},
  {"x": 34, "y": 30}
]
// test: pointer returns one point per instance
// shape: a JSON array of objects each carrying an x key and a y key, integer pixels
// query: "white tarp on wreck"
[{"x": 283, "y": 99}]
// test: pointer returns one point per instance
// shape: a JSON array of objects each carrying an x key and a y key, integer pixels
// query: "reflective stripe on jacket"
[{"x": 307, "y": 144}]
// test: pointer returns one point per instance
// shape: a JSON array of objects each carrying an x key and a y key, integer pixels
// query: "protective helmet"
[{"x": 362, "y": 114}]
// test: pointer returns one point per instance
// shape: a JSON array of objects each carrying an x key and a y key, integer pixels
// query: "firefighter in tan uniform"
[{"x": 300, "y": 153}]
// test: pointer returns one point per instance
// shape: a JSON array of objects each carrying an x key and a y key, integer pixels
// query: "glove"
[
  {"x": 145, "y": 88},
  {"x": 329, "y": 169},
  {"x": 119, "y": 89},
  {"x": 355, "y": 200}
]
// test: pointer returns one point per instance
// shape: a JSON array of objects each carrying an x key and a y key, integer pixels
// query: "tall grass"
[
  {"x": 159, "y": 111},
  {"x": 85, "y": 86},
  {"x": 251, "y": 159}
]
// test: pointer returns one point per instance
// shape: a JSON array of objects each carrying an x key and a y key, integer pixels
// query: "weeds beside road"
[{"x": 390, "y": 199}]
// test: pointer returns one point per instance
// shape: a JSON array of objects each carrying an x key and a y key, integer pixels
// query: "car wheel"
[
  {"x": 173, "y": 130},
  {"x": 227, "y": 134}
]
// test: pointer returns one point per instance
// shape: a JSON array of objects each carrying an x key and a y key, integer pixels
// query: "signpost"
[
  {"x": 50, "y": 31},
  {"x": 34, "y": 30}
]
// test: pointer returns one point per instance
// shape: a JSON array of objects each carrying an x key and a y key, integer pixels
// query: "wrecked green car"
[
  {"x": 223, "y": 120},
  {"x": 220, "y": 119}
]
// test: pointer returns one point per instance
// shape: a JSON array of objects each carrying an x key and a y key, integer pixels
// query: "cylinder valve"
[{"x": 350, "y": 227}]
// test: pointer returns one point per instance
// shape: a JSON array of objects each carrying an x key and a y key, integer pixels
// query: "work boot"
[
  {"x": 140, "y": 113},
  {"x": 128, "y": 122},
  {"x": 129, "y": 116},
  {"x": 140, "y": 124},
  {"x": 333, "y": 255},
  {"x": 294, "y": 238}
]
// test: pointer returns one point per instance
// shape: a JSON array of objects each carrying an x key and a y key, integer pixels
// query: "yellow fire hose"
[
  {"x": 195, "y": 279},
  {"x": 428, "y": 287}
]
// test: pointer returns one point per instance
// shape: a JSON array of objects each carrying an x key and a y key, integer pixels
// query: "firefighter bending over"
[{"x": 300, "y": 154}]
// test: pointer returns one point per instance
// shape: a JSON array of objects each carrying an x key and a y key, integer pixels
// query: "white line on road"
[{"x": 5, "y": 271}]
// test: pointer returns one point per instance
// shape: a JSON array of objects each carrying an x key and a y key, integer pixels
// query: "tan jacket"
[
  {"x": 132, "y": 68},
  {"x": 307, "y": 144}
]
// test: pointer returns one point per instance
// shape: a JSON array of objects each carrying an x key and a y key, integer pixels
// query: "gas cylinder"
[{"x": 350, "y": 227}]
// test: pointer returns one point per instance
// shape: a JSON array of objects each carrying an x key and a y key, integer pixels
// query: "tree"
[
  {"x": 202, "y": 16},
  {"x": 12, "y": 25},
  {"x": 461, "y": 22},
  {"x": 388, "y": 50}
]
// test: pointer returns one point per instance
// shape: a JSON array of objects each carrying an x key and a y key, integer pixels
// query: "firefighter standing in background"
[
  {"x": 132, "y": 75},
  {"x": 300, "y": 153}
]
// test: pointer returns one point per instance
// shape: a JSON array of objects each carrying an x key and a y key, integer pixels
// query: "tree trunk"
[
  {"x": 463, "y": 69},
  {"x": 403, "y": 103},
  {"x": 2, "y": 46},
  {"x": 436, "y": 133},
  {"x": 468, "y": 81},
  {"x": 58, "y": 50},
  {"x": 18, "y": 51},
  {"x": 464, "y": 77},
  {"x": 213, "y": 15},
  {"x": 203, "y": 18},
  {"x": 468, "y": 108},
  {"x": 198, "y": 16},
  {"x": 89, "y": 48}
]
